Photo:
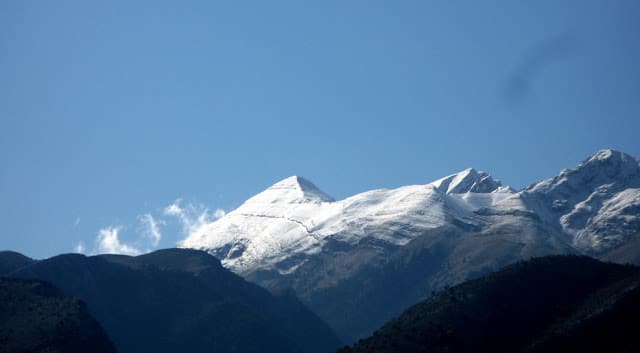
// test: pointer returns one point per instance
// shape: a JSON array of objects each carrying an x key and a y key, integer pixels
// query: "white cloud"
[
  {"x": 79, "y": 248},
  {"x": 219, "y": 213},
  {"x": 192, "y": 216},
  {"x": 151, "y": 228},
  {"x": 77, "y": 222},
  {"x": 108, "y": 242}
]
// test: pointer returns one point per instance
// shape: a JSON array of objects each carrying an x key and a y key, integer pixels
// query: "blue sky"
[{"x": 112, "y": 111}]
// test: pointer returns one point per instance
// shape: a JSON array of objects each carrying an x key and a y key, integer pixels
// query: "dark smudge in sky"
[{"x": 519, "y": 83}]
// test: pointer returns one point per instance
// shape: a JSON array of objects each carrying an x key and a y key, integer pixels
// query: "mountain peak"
[
  {"x": 292, "y": 189},
  {"x": 611, "y": 158},
  {"x": 606, "y": 166},
  {"x": 468, "y": 180}
]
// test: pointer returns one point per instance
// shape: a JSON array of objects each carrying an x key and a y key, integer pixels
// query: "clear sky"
[{"x": 110, "y": 111}]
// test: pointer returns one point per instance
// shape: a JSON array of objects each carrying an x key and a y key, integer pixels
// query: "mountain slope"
[
  {"x": 343, "y": 258},
  {"x": 552, "y": 304},
  {"x": 278, "y": 227},
  {"x": 356, "y": 299},
  {"x": 597, "y": 203},
  {"x": 36, "y": 317},
  {"x": 183, "y": 300}
]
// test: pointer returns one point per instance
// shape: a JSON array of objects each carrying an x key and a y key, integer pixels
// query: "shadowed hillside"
[
  {"x": 551, "y": 304},
  {"x": 179, "y": 300},
  {"x": 11, "y": 261},
  {"x": 36, "y": 317}
]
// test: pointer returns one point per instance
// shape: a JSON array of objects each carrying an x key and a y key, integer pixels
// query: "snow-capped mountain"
[
  {"x": 293, "y": 217},
  {"x": 357, "y": 262},
  {"x": 596, "y": 205}
]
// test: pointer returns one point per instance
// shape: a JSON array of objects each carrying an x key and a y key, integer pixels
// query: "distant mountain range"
[
  {"x": 328, "y": 272},
  {"x": 358, "y": 262},
  {"x": 551, "y": 304},
  {"x": 174, "y": 300}
]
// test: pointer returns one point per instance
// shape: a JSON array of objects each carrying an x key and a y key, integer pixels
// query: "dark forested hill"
[
  {"x": 11, "y": 261},
  {"x": 180, "y": 300},
  {"x": 550, "y": 304},
  {"x": 35, "y": 317}
]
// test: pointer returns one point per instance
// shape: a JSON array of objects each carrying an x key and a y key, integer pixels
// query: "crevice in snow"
[{"x": 293, "y": 220}]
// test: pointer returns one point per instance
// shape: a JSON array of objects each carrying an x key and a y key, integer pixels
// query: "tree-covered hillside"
[{"x": 550, "y": 304}]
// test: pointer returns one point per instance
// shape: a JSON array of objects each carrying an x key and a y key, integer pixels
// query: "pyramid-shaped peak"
[
  {"x": 468, "y": 180},
  {"x": 294, "y": 181},
  {"x": 296, "y": 188}
]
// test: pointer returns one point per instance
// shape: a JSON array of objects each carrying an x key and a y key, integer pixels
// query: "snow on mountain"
[
  {"x": 268, "y": 227},
  {"x": 596, "y": 205},
  {"x": 293, "y": 217},
  {"x": 469, "y": 180},
  {"x": 613, "y": 223},
  {"x": 294, "y": 189},
  {"x": 602, "y": 168}
]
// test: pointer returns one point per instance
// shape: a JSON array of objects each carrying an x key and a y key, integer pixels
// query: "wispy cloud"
[
  {"x": 79, "y": 248},
  {"x": 192, "y": 216},
  {"x": 150, "y": 228},
  {"x": 108, "y": 242}
]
